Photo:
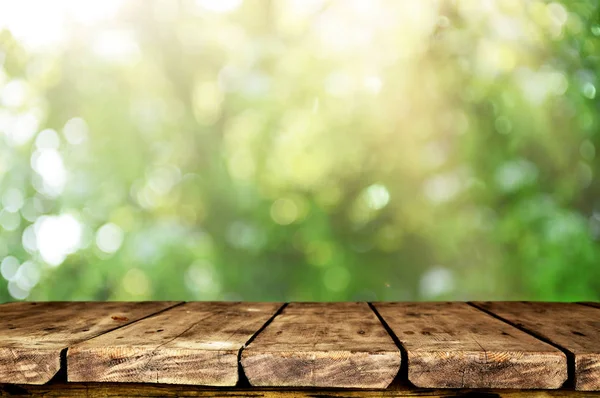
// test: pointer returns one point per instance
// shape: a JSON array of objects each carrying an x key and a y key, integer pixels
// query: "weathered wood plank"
[
  {"x": 93, "y": 390},
  {"x": 591, "y": 304},
  {"x": 453, "y": 345},
  {"x": 196, "y": 343},
  {"x": 323, "y": 345},
  {"x": 32, "y": 335},
  {"x": 573, "y": 327}
]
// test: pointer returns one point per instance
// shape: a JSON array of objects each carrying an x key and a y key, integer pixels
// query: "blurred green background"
[{"x": 299, "y": 150}]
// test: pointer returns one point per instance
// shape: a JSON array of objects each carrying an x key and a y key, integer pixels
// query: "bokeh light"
[{"x": 299, "y": 150}]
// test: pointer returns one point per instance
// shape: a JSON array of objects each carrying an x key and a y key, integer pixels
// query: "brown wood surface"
[
  {"x": 323, "y": 345},
  {"x": 93, "y": 390},
  {"x": 320, "y": 345},
  {"x": 32, "y": 335},
  {"x": 196, "y": 343},
  {"x": 573, "y": 327},
  {"x": 591, "y": 304},
  {"x": 453, "y": 345}
]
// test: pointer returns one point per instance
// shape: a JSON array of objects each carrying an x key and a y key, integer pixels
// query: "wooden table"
[{"x": 443, "y": 349}]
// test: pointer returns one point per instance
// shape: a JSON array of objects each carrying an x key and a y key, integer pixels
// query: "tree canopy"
[{"x": 299, "y": 150}]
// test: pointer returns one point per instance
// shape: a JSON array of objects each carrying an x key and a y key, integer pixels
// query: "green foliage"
[{"x": 300, "y": 150}]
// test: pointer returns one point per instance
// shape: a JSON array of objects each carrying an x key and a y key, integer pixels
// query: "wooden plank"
[
  {"x": 196, "y": 343},
  {"x": 32, "y": 335},
  {"x": 573, "y": 327},
  {"x": 92, "y": 390},
  {"x": 453, "y": 345},
  {"x": 591, "y": 304},
  {"x": 323, "y": 345}
]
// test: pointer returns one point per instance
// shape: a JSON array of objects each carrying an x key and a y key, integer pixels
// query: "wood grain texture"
[
  {"x": 93, "y": 390},
  {"x": 573, "y": 327},
  {"x": 32, "y": 335},
  {"x": 196, "y": 343},
  {"x": 323, "y": 345},
  {"x": 453, "y": 345}
]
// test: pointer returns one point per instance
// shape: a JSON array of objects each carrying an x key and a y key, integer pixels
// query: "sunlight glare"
[
  {"x": 220, "y": 6},
  {"x": 40, "y": 24},
  {"x": 57, "y": 237}
]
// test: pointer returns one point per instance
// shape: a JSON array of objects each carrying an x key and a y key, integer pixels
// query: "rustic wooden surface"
[
  {"x": 96, "y": 390},
  {"x": 481, "y": 346},
  {"x": 573, "y": 327},
  {"x": 32, "y": 335},
  {"x": 195, "y": 343},
  {"x": 323, "y": 345},
  {"x": 453, "y": 345}
]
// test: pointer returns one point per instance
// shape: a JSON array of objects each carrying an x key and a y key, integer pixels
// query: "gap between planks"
[
  {"x": 323, "y": 345},
  {"x": 62, "y": 374},
  {"x": 242, "y": 379},
  {"x": 570, "y": 382},
  {"x": 197, "y": 343},
  {"x": 35, "y": 335},
  {"x": 402, "y": 375},
  {"x": 560, "y": 324},
  {"x": 454, "y": 345}
]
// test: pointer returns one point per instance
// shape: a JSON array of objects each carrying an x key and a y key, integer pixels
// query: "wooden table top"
[{"x": 297, "y": 349}]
